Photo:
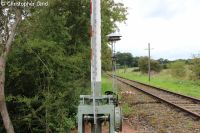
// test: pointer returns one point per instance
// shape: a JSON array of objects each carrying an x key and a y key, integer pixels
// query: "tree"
[
  {"x": 143, "y": 65},
  {"x": 49, "y": 65},
  {"x": 106, "y": 58},
  {"x": 163, "y": 62},
  {"x": 125, "y": 59},
  {"x": 195, "y": 66},
  {"x": 45, "y": 95},
  {"x": 135, "y": 61},
  {"x": 112, "y": 13},
  {"x": 9, "y": 21}
]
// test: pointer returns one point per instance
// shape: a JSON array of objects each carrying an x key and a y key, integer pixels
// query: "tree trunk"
[
  {"x": 4, "y": 112},
  {"x": 3, "y": 58}
]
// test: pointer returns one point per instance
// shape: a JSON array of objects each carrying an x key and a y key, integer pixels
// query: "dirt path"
[
  {"x": 149, "y": 115},
  {"x": 126, "y": 129}
]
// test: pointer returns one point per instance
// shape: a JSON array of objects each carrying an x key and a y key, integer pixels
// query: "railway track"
[{"x": 185, "y": 103}]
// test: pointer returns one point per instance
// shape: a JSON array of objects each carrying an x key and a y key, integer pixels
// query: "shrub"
[
  {"x": 195, "y": 66},
  {"x": 178, "y": 69},
  {"x": 143, "y": 65}
]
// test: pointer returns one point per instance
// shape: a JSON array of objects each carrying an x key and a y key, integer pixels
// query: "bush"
[
  {"x": 195, "y": 67},
  {"x": 143, "y": 65},
  {"x": 178, "y": 69}
]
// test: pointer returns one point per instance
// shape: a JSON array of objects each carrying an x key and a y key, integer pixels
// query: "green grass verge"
[
  {"x": 166, "y": 81},
  {"x": 106, "y": 84}
]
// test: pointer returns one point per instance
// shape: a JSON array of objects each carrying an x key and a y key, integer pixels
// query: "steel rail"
[{"x": 190, "y": 107}]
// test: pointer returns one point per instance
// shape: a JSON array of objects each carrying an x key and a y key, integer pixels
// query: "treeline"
[
  {"x": 178, "y": 68},
  {"x": 49, "y": 65},
  {"x": 189, "y": 68},
  {"x": 128, "y": 60}
]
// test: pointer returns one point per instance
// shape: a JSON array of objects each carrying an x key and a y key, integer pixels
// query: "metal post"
[
  {"x": 95, "y": 107},
  {"x": 113, "y": 75},
  {"x": 96, "y": 46},
  {"x": 115, "y": 85},
  {"x": 113, "y": 67},
  {"x": 149, "y": 63},
  {"x": 113, "y": 37},
  {"x": 96, "y": 56}
]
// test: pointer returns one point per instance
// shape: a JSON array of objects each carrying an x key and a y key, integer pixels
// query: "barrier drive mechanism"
[{"x": 97, "y": 108}]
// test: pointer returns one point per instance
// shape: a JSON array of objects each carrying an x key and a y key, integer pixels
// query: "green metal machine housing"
[{"x": 106, "y": 110}]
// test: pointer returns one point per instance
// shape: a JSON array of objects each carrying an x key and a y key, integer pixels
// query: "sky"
[{"x": 172, "y": 27}]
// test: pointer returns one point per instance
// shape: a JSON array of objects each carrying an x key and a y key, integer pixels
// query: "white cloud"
[{"x": 172, "y": 28}]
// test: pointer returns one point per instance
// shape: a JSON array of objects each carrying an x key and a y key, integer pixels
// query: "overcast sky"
[{"x": 171, "y": 26}]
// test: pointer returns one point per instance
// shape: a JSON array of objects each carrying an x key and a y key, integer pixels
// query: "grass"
[
  {"x": 106, "y": 84},
  {"x": 126, "y": 109},
  {"x": 165, "y": 81}
]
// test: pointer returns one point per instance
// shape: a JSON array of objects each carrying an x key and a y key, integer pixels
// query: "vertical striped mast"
[{"x": 95, "y": 12}]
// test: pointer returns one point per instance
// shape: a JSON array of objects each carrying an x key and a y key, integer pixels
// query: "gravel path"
[
  {"x": 151, "y": 116},
  {"x": 126, "y": 128}
]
